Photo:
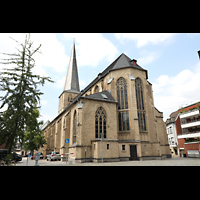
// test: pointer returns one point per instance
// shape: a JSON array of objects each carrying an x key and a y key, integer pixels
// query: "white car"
[{"x": 54, "y": 156}]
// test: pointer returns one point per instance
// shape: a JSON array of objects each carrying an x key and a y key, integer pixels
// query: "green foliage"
[
  {"x": 8, "y": 159},
  {"x": 181, "y": 110},
  {"x": 20, "y": 88},
  {"x": 34, "y": 137},
  {"x": 198, "y": 106}
]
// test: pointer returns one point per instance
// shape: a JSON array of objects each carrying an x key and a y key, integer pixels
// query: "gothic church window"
[
  {"x": 100, "y": 123},
  {"x": 122, "y": 98},
  {"x": 140, "y": 105},
  {"x": 75, "y": 126}
]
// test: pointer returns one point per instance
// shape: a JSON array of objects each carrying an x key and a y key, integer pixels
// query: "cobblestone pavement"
[{"x": 166, "y": 162}]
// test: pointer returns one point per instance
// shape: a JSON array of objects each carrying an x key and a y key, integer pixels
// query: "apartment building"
[
  {"x": 173, "y": 126},
  {"x": 189, "y": 137}
]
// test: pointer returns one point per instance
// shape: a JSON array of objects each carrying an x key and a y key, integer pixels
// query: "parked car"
[
  {"x": 16, "y": 157},
  {"x": 4, "y": 152},
  {"x": 54, "y": 156},
  {"x": 41, "y": 155}
]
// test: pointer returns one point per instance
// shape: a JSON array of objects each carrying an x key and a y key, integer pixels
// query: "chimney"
[
  {"x": 134, "y": 62},
  {"x": 99, "y": 75}
]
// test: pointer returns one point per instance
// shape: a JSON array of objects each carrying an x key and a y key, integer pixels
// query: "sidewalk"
[{"x": 167, "y": 162}]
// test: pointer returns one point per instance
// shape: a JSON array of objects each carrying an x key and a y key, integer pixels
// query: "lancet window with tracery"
[
  {"x": 122, "y": 98},
  {"x": 140, "y": 105},
  {"x": 100, "y": 123}
]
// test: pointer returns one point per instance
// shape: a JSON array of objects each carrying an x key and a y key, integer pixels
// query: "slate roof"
[
  {"x": 102, "y": 96},
  {"x": 123, "y": 61}
]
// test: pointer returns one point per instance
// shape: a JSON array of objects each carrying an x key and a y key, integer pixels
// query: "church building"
[{"x": 113, "y": 118}]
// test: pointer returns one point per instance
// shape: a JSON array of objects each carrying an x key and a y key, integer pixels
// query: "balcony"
[
  {"x": 191, "y": 124},
  {"x": 190, "y": 113},
  {"x": 189, "y": 135}
]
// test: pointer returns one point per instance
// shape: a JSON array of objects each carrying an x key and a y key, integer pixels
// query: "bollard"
[{"x": 37, "y": 157}]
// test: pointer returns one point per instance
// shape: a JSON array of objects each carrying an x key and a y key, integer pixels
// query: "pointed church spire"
[{"x": 72, "y": 81}]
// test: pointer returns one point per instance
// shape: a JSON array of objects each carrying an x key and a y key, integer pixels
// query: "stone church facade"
[{"x": 113, "y": 117}]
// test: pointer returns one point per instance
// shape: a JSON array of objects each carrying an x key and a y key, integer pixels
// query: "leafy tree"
[{"x": 20, "y": 88}]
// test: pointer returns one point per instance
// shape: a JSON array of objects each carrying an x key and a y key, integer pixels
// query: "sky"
[{"x": 171, "y": 60}]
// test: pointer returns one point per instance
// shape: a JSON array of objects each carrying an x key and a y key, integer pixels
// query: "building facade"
[
  {"x": 189, "y": 136},
  {"x": 172, "y": 126},
  {"x": 113, "y": 117}
]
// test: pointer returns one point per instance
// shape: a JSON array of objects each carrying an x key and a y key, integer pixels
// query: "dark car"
[
  {"x": 4, "y": 152},
  {"x": 16, "y": 157}
]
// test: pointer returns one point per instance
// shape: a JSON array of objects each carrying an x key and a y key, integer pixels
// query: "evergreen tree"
[
  {"x": 21, "y": 93},
  {"x": 34, "y": 137}
]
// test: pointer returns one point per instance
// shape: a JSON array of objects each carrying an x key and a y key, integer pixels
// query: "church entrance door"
[{"x": 133, "y": 152}]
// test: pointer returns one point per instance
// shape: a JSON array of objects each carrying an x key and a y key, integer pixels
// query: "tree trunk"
[
  {"x": 10, "y": 147},
  {"x": 12, "y": 138}
]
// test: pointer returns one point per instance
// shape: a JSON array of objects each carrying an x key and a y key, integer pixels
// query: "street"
[{"x": 166, "y": 162}]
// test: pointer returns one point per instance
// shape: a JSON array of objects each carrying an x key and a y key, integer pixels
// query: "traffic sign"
[{"x": 67, "y": 141}]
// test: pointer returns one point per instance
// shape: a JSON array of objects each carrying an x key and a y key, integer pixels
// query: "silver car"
[{"x": 54, "y": 156}]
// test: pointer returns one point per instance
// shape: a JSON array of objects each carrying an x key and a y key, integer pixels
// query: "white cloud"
[
  {"x": 45, "y": 117},
  {"x": 82, "y": 84},
  {"x": 7, "y": 45},
  {"x": 53, "y": 52},
  {"x": 171, "y": 93},
  {"x": 143, "y": 39},
  {"x": 148, "y": 58},
  {"x": 59, "y": 83},
  {"x": 92, "y": 48}
]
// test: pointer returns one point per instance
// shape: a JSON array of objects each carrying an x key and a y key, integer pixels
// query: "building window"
[
  {"x": 75, "y": 125},
  {"x": 123, "y": 147},
  {"x": 96, "y": 89},
  {"x": 107, "y": 146},
  {"x": 170, "y": 130},
  {"x": 100, "y": 123},
  {"x": 122, "y": 98},
  {"x": 122, "y": 94},
  {"x": 70, "y": 98},
  {"x": 140, "y": 105}
]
